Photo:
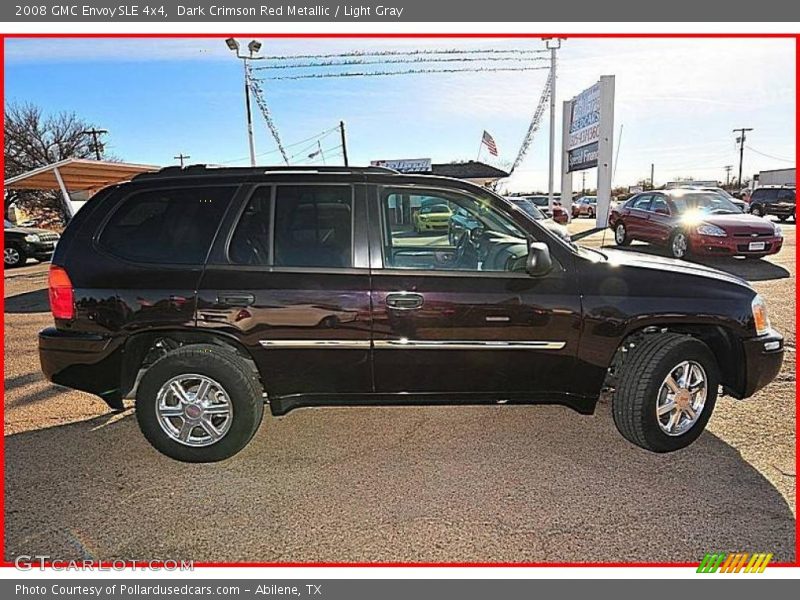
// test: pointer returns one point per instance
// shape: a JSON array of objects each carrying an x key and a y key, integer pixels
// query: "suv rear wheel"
[
  {"x": 757, "y": 210},
  {"x": 666, "y": 392},
  {"x": 199, "y": 403}
]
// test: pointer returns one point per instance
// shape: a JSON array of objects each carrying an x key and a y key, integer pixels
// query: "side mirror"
[{"x": 539, "y": 262}]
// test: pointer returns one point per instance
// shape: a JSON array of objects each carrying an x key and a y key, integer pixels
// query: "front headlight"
[
  {"x": 778, "y": 231},
  {"x": 32, "y": 237},
  {"x": 760, "y": 317},
  {"x": 712, "y": 230}
]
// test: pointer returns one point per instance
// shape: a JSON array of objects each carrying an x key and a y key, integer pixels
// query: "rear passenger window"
[
  {"x": 313, "y": 226},
  {"x": 166, "y": 226}
]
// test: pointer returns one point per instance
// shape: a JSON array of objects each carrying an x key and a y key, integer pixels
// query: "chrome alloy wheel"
[
  {"x": 619, "y": 233},
  {"x": 11, "y": 256},
  {"x": 681, "y": 398},
  {"x": 679, "y": 245},
  {"x": 194, "y": 410}
]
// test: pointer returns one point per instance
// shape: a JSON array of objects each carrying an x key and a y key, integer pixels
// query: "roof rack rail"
[{"x": 177, "y": 171}]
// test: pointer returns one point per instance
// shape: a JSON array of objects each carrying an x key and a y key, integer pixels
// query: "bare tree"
[{"x": 32, "y": 140}]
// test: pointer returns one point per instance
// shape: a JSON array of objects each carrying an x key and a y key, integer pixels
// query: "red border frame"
[{"x": 221, "y": 35}]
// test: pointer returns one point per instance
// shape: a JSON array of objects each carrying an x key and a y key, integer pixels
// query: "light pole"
[
  {"x": 552, "y": 44},
  {"x": 253, "y": 47}
]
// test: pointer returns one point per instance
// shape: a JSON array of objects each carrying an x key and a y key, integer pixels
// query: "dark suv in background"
[
  {"x": 22, "y": 243},
  {"x": 774, "y": 200},
  {"x": 207, "y": 292}
]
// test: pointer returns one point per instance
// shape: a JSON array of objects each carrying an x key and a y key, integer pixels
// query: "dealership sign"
[
  {"x": 405, "y": 165},
  {"x": 588, "y": 142},
  {"x": 584, "y": 129},
  {"x": 584, "y": 157}
]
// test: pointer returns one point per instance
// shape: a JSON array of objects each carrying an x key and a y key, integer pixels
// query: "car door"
[
  {"x": 450, "y": 318},
  {"x": 661, "y": 222},
  {"x": 291, "y": 282},
  {"x": 638, "y": 216}
]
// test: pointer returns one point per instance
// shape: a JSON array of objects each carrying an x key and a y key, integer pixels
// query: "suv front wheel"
[
  {"x": 200, "y": 403},
  {"x": 666, "y": 392}
]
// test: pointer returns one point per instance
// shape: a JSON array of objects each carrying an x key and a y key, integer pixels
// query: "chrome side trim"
[
  {"x": 403, "y": 344},
  {"x": 317, "y": 344},
  {"x": 467, "y": 345}
]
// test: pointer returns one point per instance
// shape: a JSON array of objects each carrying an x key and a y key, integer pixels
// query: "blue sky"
[{"x": 676, "y": 100}]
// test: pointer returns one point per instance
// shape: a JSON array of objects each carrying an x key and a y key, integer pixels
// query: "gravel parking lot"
[{"x": 454, "y": 484}]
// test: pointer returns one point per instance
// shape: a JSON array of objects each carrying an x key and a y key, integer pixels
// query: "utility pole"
[
  {"x": 181, "y": 157},
  {"x": 583, "y": 182},
  {"x": 344, "y": 144},
  {"x": 96, "y": 145},
  {"x": 742, "y": 137},
  {"x": 728, "y": 169},
  {"x": 652, "y": 175},
  {"x": 552, "y": 44}
]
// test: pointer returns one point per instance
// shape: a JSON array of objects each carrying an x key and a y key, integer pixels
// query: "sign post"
[{"x": 589, "y": 142}]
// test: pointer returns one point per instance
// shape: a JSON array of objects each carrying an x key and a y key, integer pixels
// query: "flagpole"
[{"x": 480, "y": 147}]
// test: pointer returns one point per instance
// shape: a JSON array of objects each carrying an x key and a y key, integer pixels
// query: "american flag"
[{"x": 490, "y": 143}]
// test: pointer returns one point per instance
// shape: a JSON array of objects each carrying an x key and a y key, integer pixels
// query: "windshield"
[
  {"x": 529, "y": 207},
  {"x": 538, "y": 200},
  {"x": 438, "y": 208},
  {"x": 704, "y": 202}
]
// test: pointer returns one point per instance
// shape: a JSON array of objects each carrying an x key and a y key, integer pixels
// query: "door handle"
[
  {"x": 236, "y": 299},
  {"x": 404, "y": 301}
]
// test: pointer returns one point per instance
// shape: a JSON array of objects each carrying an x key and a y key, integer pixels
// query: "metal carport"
[{"x": 76, "y": 175}]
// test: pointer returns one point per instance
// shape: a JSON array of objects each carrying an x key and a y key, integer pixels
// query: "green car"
[{"x": 432, "y": 216}]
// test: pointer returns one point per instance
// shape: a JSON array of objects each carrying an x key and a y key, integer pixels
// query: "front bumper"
[
  {"x": 433, "y": 224},
  {"x": 763, "y": 360},
  {"x": 43, "y": 249},
  {"x": 706, "y": 245},
  {"x": 83, "y": 361}
]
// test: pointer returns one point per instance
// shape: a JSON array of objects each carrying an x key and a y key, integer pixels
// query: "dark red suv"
[
  {"x": 694, "y": 222},
  {"x": 206, "y": 293}
]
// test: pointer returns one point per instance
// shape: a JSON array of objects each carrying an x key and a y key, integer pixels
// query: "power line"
[
  {"x": 790, "y": 160},
  {"x": 320, "y": 136},
  {"x": 400, "y": 61},
  {"x": 407, "y": 72}
]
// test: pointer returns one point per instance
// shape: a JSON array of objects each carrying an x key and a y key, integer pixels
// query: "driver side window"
[{"x": 436, "y": 230}]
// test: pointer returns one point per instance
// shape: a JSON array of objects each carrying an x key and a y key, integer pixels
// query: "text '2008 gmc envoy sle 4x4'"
[{"x": 208, "y": 293}]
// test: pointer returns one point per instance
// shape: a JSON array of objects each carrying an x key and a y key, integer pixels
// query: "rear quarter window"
[{"x": 175, "y": 225}]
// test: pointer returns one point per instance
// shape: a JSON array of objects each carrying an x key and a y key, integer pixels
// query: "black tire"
[
  {"x": 232, "y": 372},
  {"x": 640, "y": 378},
  {"x": 782, "y": 218},
  {"x": 757, "y": 210},
  {"x": 621, "y": 237},
  {"x": 13, "y": 256},
  {"x": 591, "y": 213},
  {"x": 671, "y": 249}
]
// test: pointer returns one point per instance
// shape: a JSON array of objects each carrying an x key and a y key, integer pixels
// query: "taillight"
[{"x": 61, "y": 295}]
